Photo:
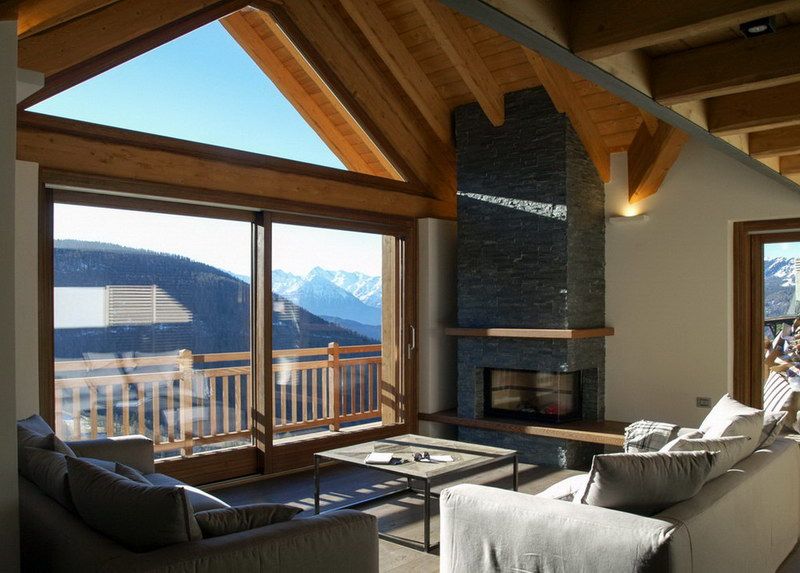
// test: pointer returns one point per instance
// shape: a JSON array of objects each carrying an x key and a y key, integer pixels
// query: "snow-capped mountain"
[
  {"x": 779, "y": 286},
  {"x": 332, "y": 294},
  {"x": 365, "y": 288}
]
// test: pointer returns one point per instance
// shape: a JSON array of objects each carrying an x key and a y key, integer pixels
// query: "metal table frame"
[{"x": 425, "y": 492}]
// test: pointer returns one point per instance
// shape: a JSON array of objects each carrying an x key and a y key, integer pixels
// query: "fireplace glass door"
[{"x": 532, "y": 395}]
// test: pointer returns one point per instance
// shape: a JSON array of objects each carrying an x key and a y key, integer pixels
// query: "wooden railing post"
[
  {"x": 186, "y": 391},
  {"x": 335, "y": 376}
]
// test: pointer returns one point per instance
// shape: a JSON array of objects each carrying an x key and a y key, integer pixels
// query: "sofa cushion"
[
  {"x": 645, "y": 483},
  {"x": 780, "y": 396},
  {"x": 773, "y": 425},
  {"x": 48, "y": 470},
  {"x": 566, "y": 489},
  {"x": 731, "y": 418},
  {"x": 216, "y": 522},
  {"x": 27, "y": 438},
  {"x": 137, "y": 516},
  {"x": 200, "y": 500},
  {"x": 35, "y": 424},
  {"x": 130, "y": 473},
  {"x": 730, "y": 451}
]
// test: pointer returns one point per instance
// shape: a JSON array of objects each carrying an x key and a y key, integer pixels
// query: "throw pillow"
[
  {"x": 731, "y": 418},
  {"x": 27, "y": 438},
  {"x": 646, "y": 483},
  {"x": 35, "y": 424},
  {"x": 137, "y": 516},
  {"x": 48, "y": 470},
  {"x": 216, "y": 522},
  {"x": 773, "y": 424},
  {"x": 780, "y": 396},
  {"x": 730, "y": 451},
  {"x": 130, "y": 473}
]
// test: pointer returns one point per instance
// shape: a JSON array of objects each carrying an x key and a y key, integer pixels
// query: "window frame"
[
  {"x": 749, "y": 238},
  {"x": 263, "y": 457}
]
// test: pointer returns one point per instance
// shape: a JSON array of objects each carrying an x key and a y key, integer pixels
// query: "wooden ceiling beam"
[
  {"x": 82, "y": 39},
  {"x": 601, "y": 29},
  {"x": 790, "y": 164},
  {"x": 35, "y": 16},
  {"x": 754, "y": 111},
  {"x": 251, "y": 42},
  {"x": 729, "y": 67},
  {"x": 353, "y": 72},
  {"x": 562, "y": 92},
  {"x": 257, "y": 180},
  {"x": 650, "y": 158},
  {"x": 453, "y": 39},
  {"x": 780, "y": 141},
  {"x": 404, "y": 67}
]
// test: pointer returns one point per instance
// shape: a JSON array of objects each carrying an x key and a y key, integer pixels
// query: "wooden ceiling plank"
[
  {"x": 298, "y": 57},
  {"x": 251, "y": 42},
  {"x": 650, "y": 158},
  {"x": 729, "y": 67},
  {"x": 388, "y": 45},
  {"x": 566, "y": 99},
  {"x": 601, "y": 29},
  {"x": 465, "y": 58},
  {"x": 35, "y": 16},
  {"x": 754, "y": 111},
  {"x": 790, "y": 164},
  {"x": 780, "y": 141},
  {"x": 79, "y": 40},
  {"x": 356, "y": 75}
]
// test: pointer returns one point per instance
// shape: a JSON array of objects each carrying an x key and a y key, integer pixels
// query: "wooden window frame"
[
  {"x": 749, "y": 238},
  {"x": 263, "y": 457}
]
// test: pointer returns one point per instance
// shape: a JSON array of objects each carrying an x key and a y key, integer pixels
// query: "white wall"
[
  {"x": 669, "y": 283},
  {"x": 26, "y": 270},
  {"x": 9, "y": 528},
  {"x": 436, "y": 304}
]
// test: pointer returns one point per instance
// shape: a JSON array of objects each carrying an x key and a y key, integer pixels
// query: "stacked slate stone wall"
[{"x": 531, "y": 242}]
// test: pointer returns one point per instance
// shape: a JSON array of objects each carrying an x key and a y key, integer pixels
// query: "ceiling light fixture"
[{"x": 758, "y": 27}]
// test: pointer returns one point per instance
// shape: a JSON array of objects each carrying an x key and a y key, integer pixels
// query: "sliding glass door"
[
  {"x": 152, "y": 327},
  {"x": 221, "y": 332}
]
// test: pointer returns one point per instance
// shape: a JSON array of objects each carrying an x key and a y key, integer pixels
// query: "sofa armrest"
[
  {"x": 134, "y": 451},
  {"x": 489, "y": 529},
  {"x": 344, "y": 541}
]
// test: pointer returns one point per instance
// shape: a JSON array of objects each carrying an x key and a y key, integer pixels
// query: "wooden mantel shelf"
[
  {"x": 532, "y": 332},
  {"x": 595, "y": 432}
]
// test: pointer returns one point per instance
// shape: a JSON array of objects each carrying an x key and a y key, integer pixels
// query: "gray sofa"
[
  {"x": 55, "y": 539},
  {"x": 746, "y": 520}
]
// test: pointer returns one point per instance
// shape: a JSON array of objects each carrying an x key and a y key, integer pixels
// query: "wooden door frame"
[
  {"x": 749, "y": 238},
  {"x": 263, "y": 457}
]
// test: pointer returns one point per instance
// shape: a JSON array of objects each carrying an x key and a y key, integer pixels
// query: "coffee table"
[{"x": 465, "y": 457}]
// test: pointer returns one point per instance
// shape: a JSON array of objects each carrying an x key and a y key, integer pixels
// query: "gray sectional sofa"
[
  {"x": 746, "y": 520},
  {"x": 55, "y": 539}
]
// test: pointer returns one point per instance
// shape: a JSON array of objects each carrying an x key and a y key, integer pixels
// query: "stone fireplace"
[{"x": 531, "y": 242}]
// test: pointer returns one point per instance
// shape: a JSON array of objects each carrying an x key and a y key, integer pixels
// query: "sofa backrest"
[{"x": 749, "y": 518}]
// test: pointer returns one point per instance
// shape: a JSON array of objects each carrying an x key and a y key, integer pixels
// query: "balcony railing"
[{"x": 201, "y": 401}]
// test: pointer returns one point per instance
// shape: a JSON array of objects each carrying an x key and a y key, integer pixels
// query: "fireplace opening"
[{"x": 550, "y": 397}]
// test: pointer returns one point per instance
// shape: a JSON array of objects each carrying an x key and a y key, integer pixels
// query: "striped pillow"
[{"x": 780, "y": 396}]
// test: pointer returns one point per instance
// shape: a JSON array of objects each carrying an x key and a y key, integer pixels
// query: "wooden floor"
[{"x": 400, "y": 515}]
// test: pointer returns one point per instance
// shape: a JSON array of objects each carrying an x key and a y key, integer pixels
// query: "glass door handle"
[{"x": 413, "y": 344}]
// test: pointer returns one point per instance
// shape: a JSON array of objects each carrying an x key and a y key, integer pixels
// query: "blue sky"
[
  {"x": 774, "y": 250},
  {"x": 203, "y": 87}
]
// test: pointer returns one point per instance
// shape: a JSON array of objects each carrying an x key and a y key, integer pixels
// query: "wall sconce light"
[{"x": 619, "y": 219}]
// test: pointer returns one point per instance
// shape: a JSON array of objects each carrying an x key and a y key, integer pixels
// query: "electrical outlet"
[{"x": 703, "y": 402}]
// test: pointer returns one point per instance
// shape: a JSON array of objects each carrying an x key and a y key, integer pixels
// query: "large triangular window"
[{"x": 239, "y": 83}]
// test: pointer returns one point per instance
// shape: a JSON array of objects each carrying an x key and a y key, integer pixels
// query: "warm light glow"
[{"x": 630, "y": 211}]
